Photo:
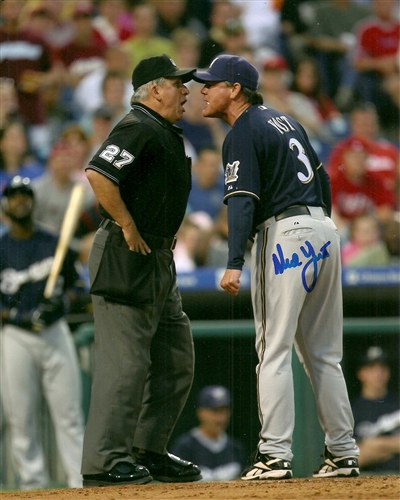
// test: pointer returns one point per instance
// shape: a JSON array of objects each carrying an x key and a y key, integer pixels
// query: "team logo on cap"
[
  {"x": 231, "y": 172},
  {"x": 173, "y": 62}
]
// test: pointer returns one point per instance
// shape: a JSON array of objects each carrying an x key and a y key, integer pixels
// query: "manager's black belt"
[
  {"x": 295, "y": 210},
  {"x": 154, "y": 242}
]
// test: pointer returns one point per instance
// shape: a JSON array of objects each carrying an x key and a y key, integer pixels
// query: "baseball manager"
[{"x": 278, "y": 193}]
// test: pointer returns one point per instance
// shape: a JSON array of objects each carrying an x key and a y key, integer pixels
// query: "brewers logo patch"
[{"x": 231, "y": 172}]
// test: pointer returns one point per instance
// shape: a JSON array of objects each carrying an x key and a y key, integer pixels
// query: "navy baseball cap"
[
  {"x": 214, "y": 396},
  {"x": 374, "y": 354},
  {"x": 158, "y": 67},
  {"x": 230, "y": 69},
  {"x": 18, "y": 184}
]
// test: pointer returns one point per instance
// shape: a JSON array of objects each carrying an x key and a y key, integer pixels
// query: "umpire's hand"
[
  {"x": 231, "y": 281},
  {"x": 133, "y": 239}
]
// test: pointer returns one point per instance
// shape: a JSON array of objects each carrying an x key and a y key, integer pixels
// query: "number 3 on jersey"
[
  {"x": 303, "y": 158},
  {"x": 112, "y": 151}
]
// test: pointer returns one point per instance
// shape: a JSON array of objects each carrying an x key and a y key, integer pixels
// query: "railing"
[
  {"x": 209, "y": 278},
  {"x": 244, "y": 327}
]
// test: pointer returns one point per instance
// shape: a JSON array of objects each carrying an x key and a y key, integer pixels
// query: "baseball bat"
[{"x": 69, "y": 222}]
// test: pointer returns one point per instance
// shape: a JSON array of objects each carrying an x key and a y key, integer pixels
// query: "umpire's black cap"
[
  {"x": 158, "y": 67},
  {"x": 18, "y": 184}
]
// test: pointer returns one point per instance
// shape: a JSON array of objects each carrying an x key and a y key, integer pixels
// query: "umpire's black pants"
[{"x": 144, "y": 361}]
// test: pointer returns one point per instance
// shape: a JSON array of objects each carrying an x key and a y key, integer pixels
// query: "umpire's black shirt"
[{"x": 145, "y": 156}]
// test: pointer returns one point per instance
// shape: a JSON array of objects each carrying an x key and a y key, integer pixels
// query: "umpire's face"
[{"x": 173, "y": 96}]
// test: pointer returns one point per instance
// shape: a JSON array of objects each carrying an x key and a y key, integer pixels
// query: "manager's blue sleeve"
[{"x": 240, "y": 223}]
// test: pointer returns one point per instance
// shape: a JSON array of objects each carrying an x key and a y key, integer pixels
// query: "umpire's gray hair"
[{"x": 142, "y": 92}]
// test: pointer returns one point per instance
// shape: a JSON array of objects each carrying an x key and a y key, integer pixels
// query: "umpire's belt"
[
  {"x": 154, "y": 242},
  {"x": 295, "y": 210}
]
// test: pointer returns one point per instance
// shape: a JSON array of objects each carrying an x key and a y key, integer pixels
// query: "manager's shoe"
[
  {"x": 121, "y": 473},
  {"x": 168, "y": 468},
  {"x": 334, "y": 466},
  {"x": 266, "y": 467}
]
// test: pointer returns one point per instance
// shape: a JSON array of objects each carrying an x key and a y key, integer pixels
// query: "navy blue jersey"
[
  {"x": 145, "y": 154},
  {"x": 221, "y": 459},
  {"x": 269, "y": 165},
  {"x": 25, "y": 267},
  {"x": 373, "y": 418},
  {"x": 268, "y": 156}
]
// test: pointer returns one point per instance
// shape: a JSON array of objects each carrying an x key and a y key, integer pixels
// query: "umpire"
[{"x": 144, "y": 355}]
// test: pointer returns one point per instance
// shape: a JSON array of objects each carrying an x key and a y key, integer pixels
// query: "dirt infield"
[{"x": 363, "y": 488}]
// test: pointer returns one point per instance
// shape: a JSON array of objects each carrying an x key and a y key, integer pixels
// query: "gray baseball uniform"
[
  {"x": 278, "y": 195},
  {"x": 296, "y": 275},
  {"x": 46, "y": 362}
]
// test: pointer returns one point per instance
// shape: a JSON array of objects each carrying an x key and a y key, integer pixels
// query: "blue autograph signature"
[{"x": 281, "y": 263}]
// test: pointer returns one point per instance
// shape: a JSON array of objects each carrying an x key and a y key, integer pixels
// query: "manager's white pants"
[{"x": 297, "y": 300}]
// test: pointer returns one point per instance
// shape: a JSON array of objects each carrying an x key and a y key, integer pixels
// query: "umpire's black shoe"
[
  {"x": 121, "y": 473},
  {"x": 168, "y": 468}
]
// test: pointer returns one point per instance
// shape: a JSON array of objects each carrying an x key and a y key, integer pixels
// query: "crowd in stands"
[{"x": 334, "y": 65}]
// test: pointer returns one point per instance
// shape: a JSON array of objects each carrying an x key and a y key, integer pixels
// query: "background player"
[
  {"x": 219, "y": 456},
  {"x": 377, "y": 415},
  {"x": 278, "y": 192},
  {"x": 37, "y": 350}
]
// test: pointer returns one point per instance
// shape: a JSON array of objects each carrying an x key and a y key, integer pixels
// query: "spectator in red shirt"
[
  {"x": 26, "y": 59},
  {"x": 355, "y": 191},
  {"x": 113, "y": 22},
  {"x": 39, "y": 22},
  {"x": 50, "y": 19},
  {"x": 86, "y": 52},
  {"x": 378, "y": 40},
  {"x": 383, "y": 158},
  {"x": 377, "y": 52}
]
